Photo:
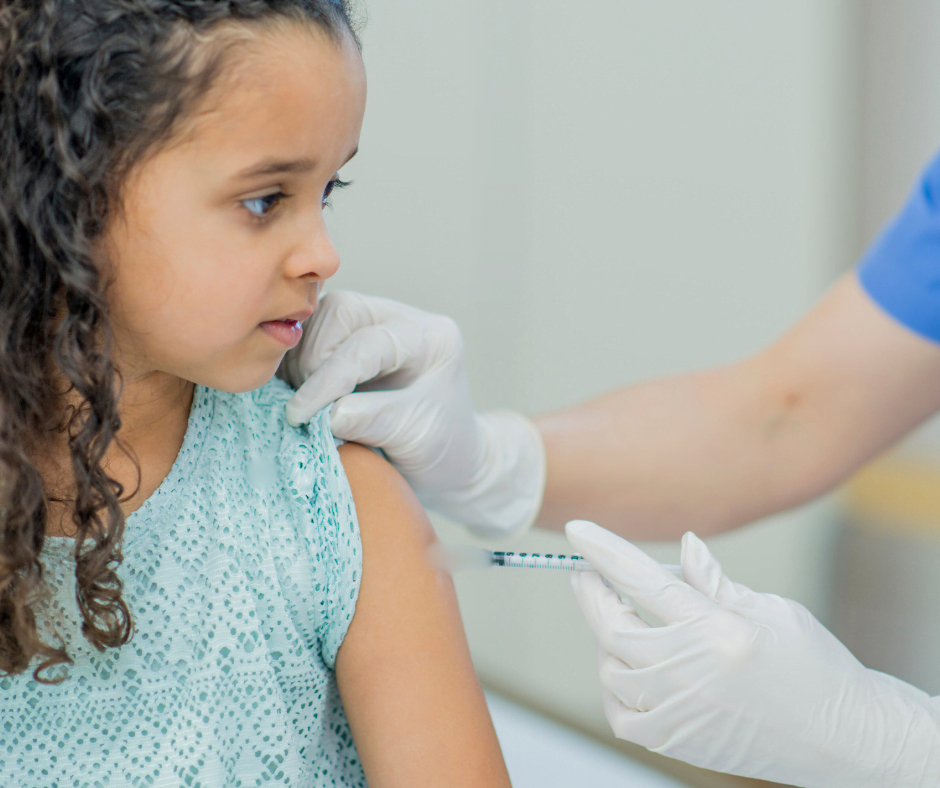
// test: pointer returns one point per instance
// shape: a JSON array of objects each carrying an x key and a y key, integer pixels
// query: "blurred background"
[{"x": 602, "y": 191}]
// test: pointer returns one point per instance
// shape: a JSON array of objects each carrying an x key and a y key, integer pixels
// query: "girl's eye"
[
  {"x": 334, "y": 184},
  {"x": 261, "y": 206}
]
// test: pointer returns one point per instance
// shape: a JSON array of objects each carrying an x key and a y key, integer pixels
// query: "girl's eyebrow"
[
  {"x": 279, "y": 166},
  {"x": 276, "y": 167}
]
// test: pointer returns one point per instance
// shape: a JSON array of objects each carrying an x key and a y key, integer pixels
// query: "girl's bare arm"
[{"x": 414, "y": 704}]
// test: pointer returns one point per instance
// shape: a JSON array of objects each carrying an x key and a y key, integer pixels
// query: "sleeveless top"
[{"x": 241, "y": 572}]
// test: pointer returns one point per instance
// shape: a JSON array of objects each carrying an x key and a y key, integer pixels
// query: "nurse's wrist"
[
  {"x": 919, "y": 758},
  {"x": 899, "y": 741}
]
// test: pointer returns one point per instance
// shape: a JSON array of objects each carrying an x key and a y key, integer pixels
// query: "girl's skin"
[{"x": 202, "y": 255}]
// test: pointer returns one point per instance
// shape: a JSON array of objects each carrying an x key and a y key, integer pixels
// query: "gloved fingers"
[
  {"x": 602, "y": 607},
  {"x": 723, "y": 635},
  {"x": 340, "y": 314},
  {"x": 393, "y": 420},
  {"x": 702, "y": 571},
  {"x": 628, "y": 723},
  {"x": 619, "y": 629},
  {"x": 378, "y": 350},
  {"x": 700, "y": 568},
  {"x": 653, "y": 706},
  {"x": 337, "y": 317},
  {"x": 655, "y": 729},
  {"x": 637, "y": 575},
  {"x": 635, "y": 688},
  {"x": 368, "y": 352}
]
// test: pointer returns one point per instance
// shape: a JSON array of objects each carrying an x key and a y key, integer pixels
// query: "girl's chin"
[{"x": 247, "y": 377}]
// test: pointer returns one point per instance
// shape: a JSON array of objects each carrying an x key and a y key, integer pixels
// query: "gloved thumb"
[
  {"x": 368, "y": 352},
  {"x": 336, "y": 377},
  {"x": 635, "y": 574},
  {"x": 702, "y": 571}
]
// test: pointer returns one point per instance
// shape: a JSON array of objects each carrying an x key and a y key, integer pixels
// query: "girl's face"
[{"x": 221, "y": 244}]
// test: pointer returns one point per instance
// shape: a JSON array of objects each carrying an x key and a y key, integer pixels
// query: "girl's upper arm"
[{"x": 413, "y": 701}]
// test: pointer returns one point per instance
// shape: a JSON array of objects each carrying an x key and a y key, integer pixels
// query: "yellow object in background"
[
  {"x": 886, "y": 585},
  {"x": 896, "y": 495}
]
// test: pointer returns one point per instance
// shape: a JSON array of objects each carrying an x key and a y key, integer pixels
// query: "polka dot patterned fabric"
[{"x": 241, "y": 572}]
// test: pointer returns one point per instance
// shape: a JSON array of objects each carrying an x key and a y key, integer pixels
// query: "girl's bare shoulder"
[{"x": 382, "y": 497}]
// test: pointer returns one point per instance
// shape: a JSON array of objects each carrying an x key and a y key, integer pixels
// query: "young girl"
[{"x": 191, "y": 591}]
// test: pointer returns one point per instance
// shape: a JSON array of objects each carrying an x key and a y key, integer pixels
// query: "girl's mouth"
[{"x": 287, "y": 332}]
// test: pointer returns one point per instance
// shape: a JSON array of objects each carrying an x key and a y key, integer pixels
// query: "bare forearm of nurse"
[{"x": 719, "y": 448}]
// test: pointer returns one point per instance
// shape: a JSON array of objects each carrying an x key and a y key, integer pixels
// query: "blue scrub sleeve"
[{"x": 901, "y": 269}]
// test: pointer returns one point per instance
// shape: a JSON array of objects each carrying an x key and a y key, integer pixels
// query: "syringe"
[
  {"x": 453, "y": 558},
  {"x": 575, "y": 563}
]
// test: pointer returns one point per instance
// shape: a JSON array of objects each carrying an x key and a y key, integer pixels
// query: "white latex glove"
[
  {"x": 742, "y": 682},
  {"x": 413, "y": 402}
]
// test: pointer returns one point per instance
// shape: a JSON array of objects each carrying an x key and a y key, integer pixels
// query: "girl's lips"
[{"x": 287, "y": 332}]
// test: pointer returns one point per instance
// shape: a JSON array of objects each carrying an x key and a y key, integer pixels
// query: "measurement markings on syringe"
[{"x": 539, "y": 561}]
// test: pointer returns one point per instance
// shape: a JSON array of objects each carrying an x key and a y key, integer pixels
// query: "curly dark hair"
[{"x": 88, "y": 88}]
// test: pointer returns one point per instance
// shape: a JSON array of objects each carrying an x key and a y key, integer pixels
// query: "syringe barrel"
[{"x": 513, "y": 560}]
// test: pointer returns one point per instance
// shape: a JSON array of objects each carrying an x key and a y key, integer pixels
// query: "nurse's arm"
[{"x": 716, "y": 449}]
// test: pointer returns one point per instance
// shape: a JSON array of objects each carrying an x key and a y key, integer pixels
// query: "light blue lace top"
[{"x": 241, "y": 572}]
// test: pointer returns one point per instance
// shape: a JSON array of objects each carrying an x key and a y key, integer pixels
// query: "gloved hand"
[
  {"x": 413, "y": 402},
  {"x": 742, "y": 682}
]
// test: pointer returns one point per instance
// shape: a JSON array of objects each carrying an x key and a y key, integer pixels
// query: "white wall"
[
  {"x": 601, "y": 191},
  {"x": 901, "y": 101},
  {"x": 900, "y": 124}
]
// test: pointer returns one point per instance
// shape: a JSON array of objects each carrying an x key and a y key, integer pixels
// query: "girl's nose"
[{"x": 315, "y": 255}]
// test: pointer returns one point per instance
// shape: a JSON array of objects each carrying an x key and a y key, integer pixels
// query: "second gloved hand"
[
  {"x": 412, "y": 401},
  {"x": 742, "y": 682}
]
